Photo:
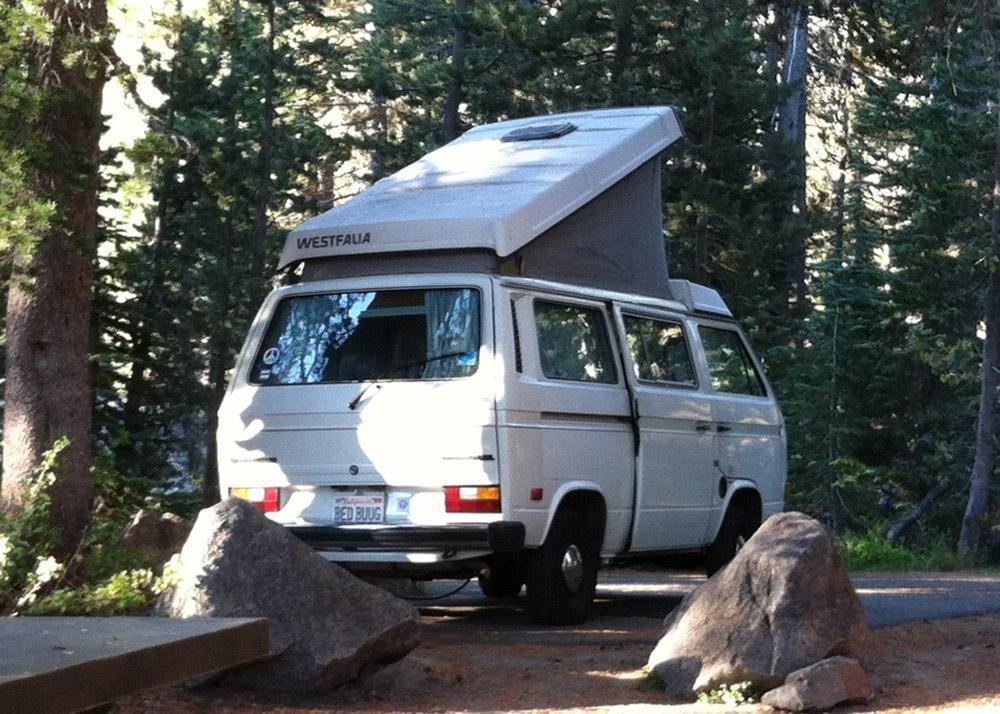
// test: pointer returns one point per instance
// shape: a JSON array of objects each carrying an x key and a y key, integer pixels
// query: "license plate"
[{"x": 359, "y": 507}]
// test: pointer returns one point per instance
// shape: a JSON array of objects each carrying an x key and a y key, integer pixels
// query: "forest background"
[{"x": 839, "y": 184}]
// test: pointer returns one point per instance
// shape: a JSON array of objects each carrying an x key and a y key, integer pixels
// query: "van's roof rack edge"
[
  {"x": 687, "y": 296},
  {"x": 592, "y": 292},
  {"x": 700, "y": 299}
]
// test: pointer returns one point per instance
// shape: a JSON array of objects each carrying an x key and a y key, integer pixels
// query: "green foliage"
[
  {"x": 878, "y": 371},
  {"x": 23, "y": 214},
  {"x": 117, "y": 497},
  {"x": 102, "y": 577},
  {"x": 28, "y": 537},
  {"x": 201, "y": 260},
  {"x": 123, "y": 593},
  {"x": 872, "y": 552},
  {"x": 881, "y": 402},
  {"x": 23, "y": 217},
  {"x": 732, "y": 694}
]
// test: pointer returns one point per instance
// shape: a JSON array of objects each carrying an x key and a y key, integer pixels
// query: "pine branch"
[{"x": 124, "y": 74}]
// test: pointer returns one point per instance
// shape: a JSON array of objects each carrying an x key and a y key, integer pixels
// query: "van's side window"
[
  {"x": 573, "y": 343},
  {"x": 659, "y": 351},
  {"x": 729, "y": 363}
]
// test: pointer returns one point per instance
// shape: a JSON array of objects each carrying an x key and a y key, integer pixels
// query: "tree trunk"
[
  {"x": 845, "y": 88},
  {"x": 792, "y": 129},
  {"x": 460, "y": 43},
  {"x": 702, "y": 237},
  {"x": 379, "y": 130},
  {"x": 971, "y": 534},
  {"x": 48, "y": 390},
  {"x": 258, "y": 239},
  {"x": 624, "y": 40},
  {"x": 218, "y": 339},
  {"x": 898, "y": 528},
  {"x": 218, "y": 361}
]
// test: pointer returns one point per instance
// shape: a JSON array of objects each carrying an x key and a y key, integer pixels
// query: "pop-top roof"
[{"x": 497, "y": 187}]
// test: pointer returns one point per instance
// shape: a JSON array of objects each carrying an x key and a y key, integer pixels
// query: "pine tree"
[
  {"x": 235, "y": 154},
  {"x": 48, "y": 387}
]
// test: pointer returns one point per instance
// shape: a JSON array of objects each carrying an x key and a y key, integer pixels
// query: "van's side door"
[
  {"x": 563, "y": 414},
  {"x": 674, "y": 471},
  {"x": 746, "y": 416}
]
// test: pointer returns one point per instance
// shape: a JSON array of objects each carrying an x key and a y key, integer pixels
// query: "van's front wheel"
[
  {"x": 736, "y": 529},
  {"x": 562, "y": 573}
]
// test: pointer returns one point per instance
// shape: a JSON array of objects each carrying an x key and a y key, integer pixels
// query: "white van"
[{"x": 484, "y": 370}]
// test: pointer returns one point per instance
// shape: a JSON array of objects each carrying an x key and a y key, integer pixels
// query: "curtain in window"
[{"x": 452, "y": 330}]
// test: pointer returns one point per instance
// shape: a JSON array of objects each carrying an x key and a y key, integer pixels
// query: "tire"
[
  {"x": 503, "y": 577},
  {"x": 736, "y": 529},
  {"x": 562, "y": 573}
]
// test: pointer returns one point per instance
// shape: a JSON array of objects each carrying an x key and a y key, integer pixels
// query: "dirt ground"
[{"x": 474, "y": 666}]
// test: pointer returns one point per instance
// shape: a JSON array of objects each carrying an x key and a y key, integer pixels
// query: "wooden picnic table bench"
[{"x": 53, "y": 665}]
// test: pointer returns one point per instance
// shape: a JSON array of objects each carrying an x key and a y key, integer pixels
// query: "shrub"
[
  {"x": 101, "y": 577},
  {"x": 732, "y": 694},
  {"x": 872, "y": 552},
  {"x": 28, "y": 537},
  {"x": 126, "y": 592}
]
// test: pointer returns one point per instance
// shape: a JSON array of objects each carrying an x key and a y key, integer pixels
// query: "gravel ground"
[{"x": 483, "y": 655}]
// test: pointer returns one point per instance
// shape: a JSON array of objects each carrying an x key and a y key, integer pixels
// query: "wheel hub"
[{"x": 572, "y": 568}]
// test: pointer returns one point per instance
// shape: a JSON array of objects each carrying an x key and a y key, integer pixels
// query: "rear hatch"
[{"x": 363, "y": 404}]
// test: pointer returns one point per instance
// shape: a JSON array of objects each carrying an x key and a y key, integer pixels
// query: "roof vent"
[{"x": 537, "y": 132}]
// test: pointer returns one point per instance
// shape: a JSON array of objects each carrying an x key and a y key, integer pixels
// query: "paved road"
[{"x": 889, "y": 598}]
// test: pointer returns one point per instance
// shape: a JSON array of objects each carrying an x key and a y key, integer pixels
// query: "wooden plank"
[{"x": 52, "y": 665}]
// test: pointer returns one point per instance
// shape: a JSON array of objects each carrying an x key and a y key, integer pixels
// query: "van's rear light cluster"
[
  {"x": 266, "y": 499},
  {"x": 472, "y": 499}
]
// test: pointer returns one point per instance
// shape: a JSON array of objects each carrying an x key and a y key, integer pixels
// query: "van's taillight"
[
  {"x": 266, "y": 499},
  {"x": 472, "y": 499}
]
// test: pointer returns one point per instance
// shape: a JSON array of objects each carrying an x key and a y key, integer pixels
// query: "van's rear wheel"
[
  {"x": 562, "y": 573},
  {"x": 736, "y": 529},
  {"x": 503, "y": 576}
]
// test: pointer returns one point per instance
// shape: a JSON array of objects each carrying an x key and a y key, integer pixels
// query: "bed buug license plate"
[{"x": 359, "y": 507}]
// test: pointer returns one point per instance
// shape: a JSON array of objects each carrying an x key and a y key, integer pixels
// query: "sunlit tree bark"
[{"x": 48, "y": 389}]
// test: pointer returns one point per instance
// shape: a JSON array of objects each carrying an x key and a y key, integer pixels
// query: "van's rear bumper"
[{"x": 498, "y": 536}]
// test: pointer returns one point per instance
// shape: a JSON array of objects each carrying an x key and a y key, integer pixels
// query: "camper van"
[{"x": 482, "y": 369}]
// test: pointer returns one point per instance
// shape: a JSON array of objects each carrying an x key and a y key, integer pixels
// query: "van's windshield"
[{"x": 382, "y": 334}]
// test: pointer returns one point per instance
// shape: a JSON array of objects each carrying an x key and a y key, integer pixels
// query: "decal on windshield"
[{"x": 271, "y": 356}]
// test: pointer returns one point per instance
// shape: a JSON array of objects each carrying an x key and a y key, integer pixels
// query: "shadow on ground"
[{"x": 482, "y": 655}]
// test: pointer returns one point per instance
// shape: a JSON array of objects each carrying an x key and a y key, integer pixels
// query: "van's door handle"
[
  {"x": 723, "y": 427},
  {"x": 703, "y": 426}
]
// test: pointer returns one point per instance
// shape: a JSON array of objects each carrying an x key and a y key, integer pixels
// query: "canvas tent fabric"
[
  {"x": 615, "y": 242},
  {"x": 580, "y": 205}
]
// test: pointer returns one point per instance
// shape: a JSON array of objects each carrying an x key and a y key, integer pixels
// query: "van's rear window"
[{"x": 383, "y": 334}]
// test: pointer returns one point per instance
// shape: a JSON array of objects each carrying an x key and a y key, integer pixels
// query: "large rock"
[
  {"x": 783, "y": 603},
  {"x": 326, "y": 625},
  {"x": 155, "y": 534},
  {"x": 821, "y": 686}
]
